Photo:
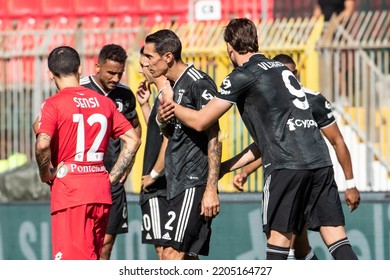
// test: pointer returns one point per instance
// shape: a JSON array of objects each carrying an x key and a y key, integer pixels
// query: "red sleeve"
[
  {"x": 120, "y": 124},
  {"x": 47, "y": 119}
]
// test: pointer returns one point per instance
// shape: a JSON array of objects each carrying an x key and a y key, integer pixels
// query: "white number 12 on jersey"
[{"x": 92, "y": 155}]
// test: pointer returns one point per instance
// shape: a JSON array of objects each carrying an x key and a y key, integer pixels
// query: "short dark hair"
[
  {"x": 165, "y": 40},
  {"x": 112, "y": 52},
  {"x": 63, "y": 61},
  {"x": 241, "y": 34},
  {"x": 284, "y": 58}
]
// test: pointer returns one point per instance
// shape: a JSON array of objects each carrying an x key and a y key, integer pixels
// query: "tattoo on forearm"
[
  {"x": 43, "y": 137},
  {"x": 214, "y": 159},
  {"x": 125, "y": 160},
  {"x": 43, "y": 157}
]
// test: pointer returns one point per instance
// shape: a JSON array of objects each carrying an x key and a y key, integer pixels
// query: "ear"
[
  {"x": 51, "y": 75},
  {"x": 80, "y": 70},
  {"x": 168, "y": 57},
  {"x": 97, "y": 67}
]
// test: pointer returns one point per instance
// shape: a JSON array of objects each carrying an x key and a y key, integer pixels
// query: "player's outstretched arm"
[
  {"x": 333, "y": 134},
  {"x": 210, "y": 201},
  {"x": 240, "y": 178},
  {"x": 199, "y": 120},
  {"x": 247, "y": 156}
]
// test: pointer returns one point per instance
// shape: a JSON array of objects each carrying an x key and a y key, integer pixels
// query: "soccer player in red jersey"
[{"x": 72, "y": 136}]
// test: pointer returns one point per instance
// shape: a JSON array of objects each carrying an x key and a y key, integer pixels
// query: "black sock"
[
  {"x": 310, "y": 256},
  {"x": 276, "y": 252},
  {"x": 342, "y": 250}
]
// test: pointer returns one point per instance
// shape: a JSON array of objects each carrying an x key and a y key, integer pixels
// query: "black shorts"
[
  {"x": 153, "y": 211},
  {"x": 118, "y": 217},
  {"x": 324, "y": 207},
  {"x": 184, "y": 228},
  {"x": 293, "y": 197}
]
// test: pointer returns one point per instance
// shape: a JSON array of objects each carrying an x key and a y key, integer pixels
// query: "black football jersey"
[
  {"x": 125, "y": 102},
  {"x": 277, "y": 114},
  {"x": 320, "y": 107},
  {"x": 186, "y": 161},
  {"x": 153, "y": 144}
]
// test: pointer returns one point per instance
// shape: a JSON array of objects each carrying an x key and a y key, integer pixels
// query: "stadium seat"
[
  {"x": 96, "y": 32},
  {"x": 126, "y": 21},
  {"x": 23, "y": 8},
  {"x": 127, "y": 29},
  {"x": 151, "y": 7},
  {"x": 3, "y": 11},
  {"x": 62, "y": 31},
  {"x": 6, "y": 24},
  {"x": 123, "y": 8},
  {"x": 25, "y": 41},
  {"x": 158, "y": 18},
  {"x": 179, "y": 7},
  {"x": 90, "y": 7},
  {"x": 55, "y": 8}
]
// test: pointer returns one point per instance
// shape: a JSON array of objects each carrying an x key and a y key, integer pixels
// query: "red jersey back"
[{"x": 80, "y": 122}]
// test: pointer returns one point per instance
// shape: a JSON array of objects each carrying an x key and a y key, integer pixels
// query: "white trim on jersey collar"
[
  {"x": 93, "y": 80},
  {"x": 185, "y": 70}
]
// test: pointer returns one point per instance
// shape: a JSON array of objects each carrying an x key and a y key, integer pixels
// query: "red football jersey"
[{"x": 80, "y": 122}]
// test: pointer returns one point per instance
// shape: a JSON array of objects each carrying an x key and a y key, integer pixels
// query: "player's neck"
[
  {"x": 66, "y": 82},
  {"x": 242, "y": 58},
  {"x": 176, "y": 70}
]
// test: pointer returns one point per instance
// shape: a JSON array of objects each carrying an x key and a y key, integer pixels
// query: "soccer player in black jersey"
[
  {"x": 109, "y": 71},
  {"x": 299, "y": 179},
  {"x": 192, "y": 158},
  {"x": 323, "y": 115},
  {"x": 153, "y": 195}
]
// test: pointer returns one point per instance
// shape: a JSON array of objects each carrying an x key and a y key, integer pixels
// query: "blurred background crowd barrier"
[{"x": 347, "y": 61}]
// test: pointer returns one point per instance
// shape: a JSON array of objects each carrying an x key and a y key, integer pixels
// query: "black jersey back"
[
  {"x": 277, "y": 115},
  {"x": 186, "y": 161},
  {"x": 153, "y": 144},
  {"x": 125, "y": 102}
]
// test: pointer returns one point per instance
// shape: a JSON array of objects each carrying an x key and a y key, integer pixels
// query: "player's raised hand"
[
  {"x": 167, "y": 92},
  {"x": 166, "y": 111},
  {"x": 143, "y": 93}
]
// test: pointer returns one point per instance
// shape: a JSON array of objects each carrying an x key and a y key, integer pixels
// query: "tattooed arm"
[
  {"x": 43, "y": 157},
  {"x": 210, "y": 201},
  {"x": 131, "y": 143}
]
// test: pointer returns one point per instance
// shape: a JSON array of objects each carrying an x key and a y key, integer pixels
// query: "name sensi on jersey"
[{"x": 82, "y": 102}]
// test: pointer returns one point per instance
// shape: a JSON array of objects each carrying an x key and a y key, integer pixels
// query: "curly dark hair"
[{"x": 112, "y": 52}]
